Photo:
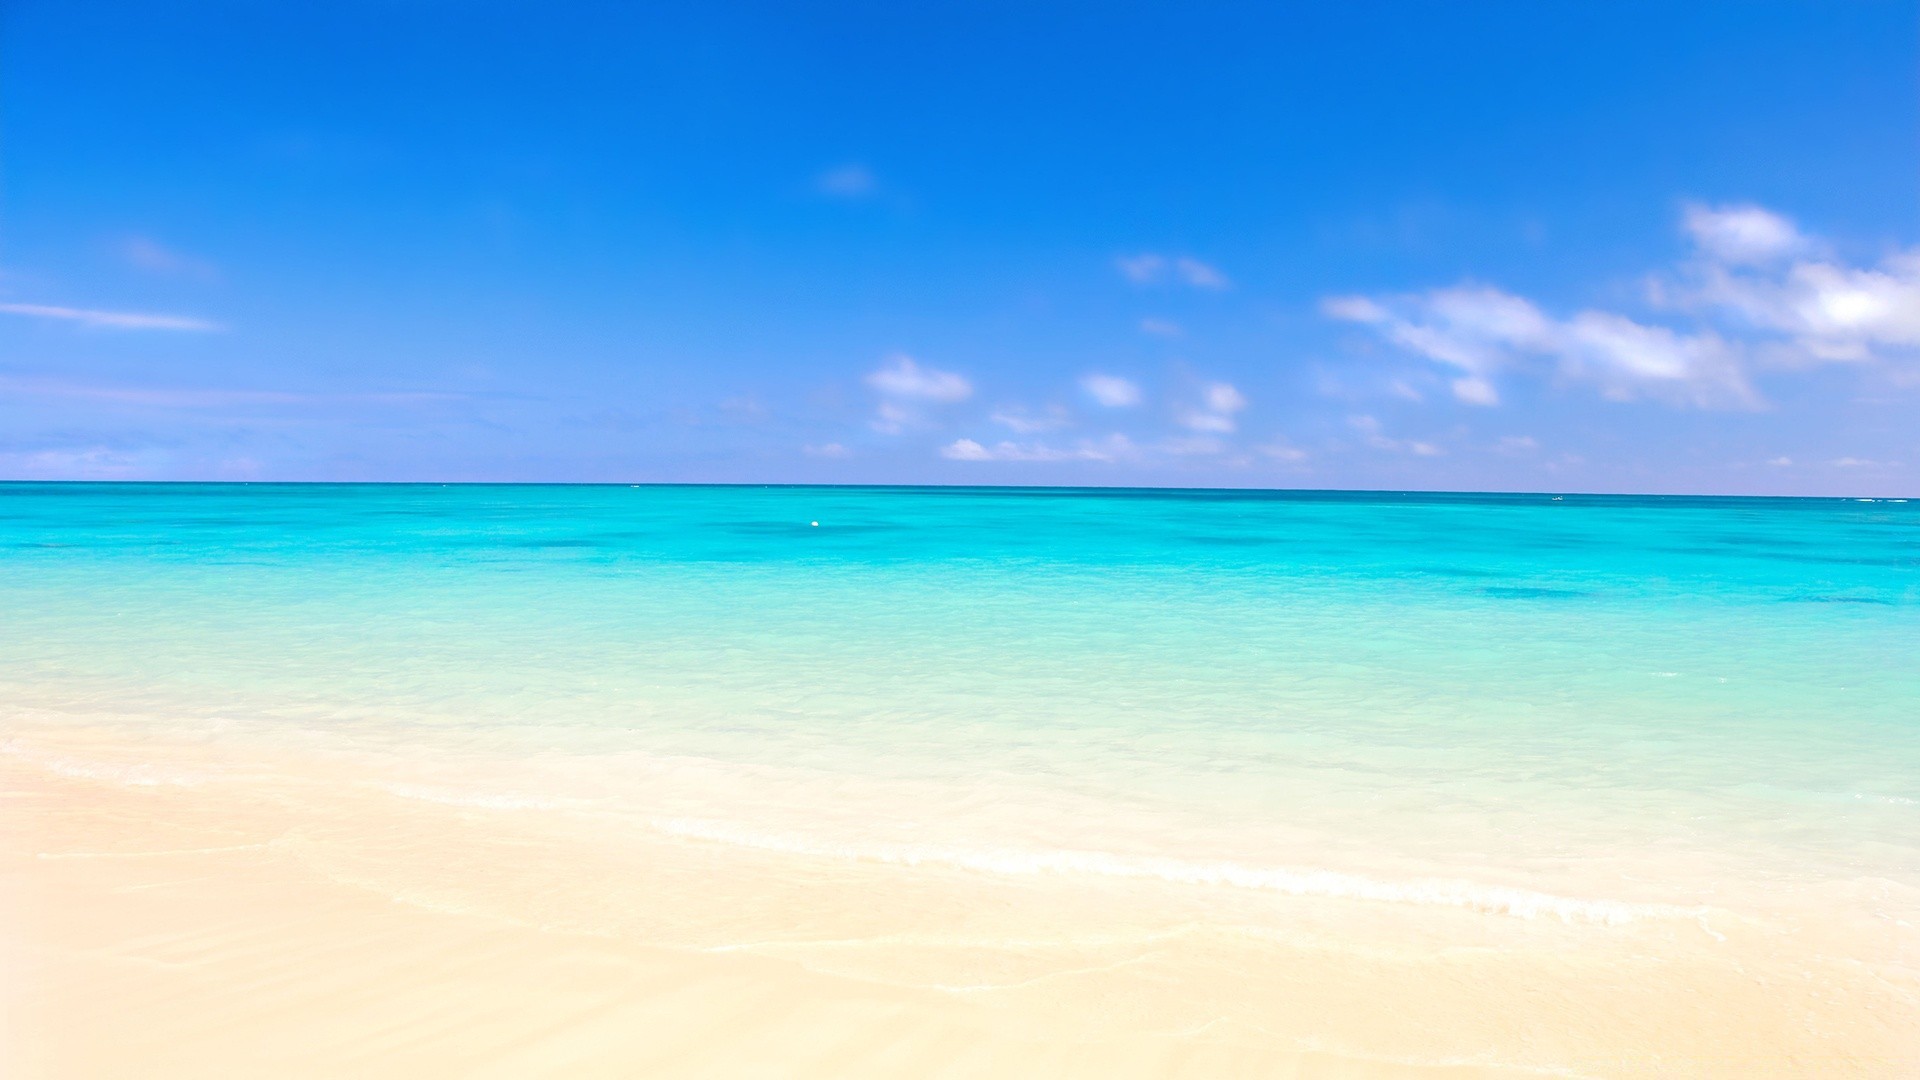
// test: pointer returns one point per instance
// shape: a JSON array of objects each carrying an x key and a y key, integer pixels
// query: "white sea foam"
[{"x": 1489, "y": 899}]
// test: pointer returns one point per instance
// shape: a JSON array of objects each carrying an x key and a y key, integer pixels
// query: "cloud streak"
[
  {"x": 1025, "y": 422},
  {"x": 1111, "y": 391},
  {"x": 115, "y": 320},
  {"x": 1150, "y": 268},
  {"x": 907, "y": 388}
]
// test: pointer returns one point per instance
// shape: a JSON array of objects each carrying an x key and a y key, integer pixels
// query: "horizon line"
[{"x": 1038, "y": 488}]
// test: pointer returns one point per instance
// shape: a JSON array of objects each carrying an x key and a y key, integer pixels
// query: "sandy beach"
[{"x": 160, "y": 923}]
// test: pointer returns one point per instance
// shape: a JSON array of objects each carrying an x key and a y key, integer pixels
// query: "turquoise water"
[{"x": 1630, "y": 699}]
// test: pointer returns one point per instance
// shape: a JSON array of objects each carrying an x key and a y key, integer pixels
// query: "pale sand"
[{"x": 163, "y": 928}]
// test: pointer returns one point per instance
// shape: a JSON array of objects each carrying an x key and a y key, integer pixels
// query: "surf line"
[{"x": 1488, "y": 899}]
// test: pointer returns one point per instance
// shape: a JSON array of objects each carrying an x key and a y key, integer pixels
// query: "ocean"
[{"x": 1379, "y": 721}]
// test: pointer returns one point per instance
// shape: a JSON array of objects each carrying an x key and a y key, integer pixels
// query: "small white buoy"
[{"x": 815, "y": 524}]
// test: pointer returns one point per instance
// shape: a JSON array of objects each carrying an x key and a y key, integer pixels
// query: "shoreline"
[{"x": 320, "y": 928}]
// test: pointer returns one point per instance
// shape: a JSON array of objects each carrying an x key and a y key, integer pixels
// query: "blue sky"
[{"x": 1608, "y": 247}]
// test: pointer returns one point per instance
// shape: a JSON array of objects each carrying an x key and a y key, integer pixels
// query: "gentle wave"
[{"x": 1488, "y": 899}]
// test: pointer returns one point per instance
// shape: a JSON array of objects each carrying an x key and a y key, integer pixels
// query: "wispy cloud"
[
  {"x": 1027, "y": 422},
  {"x": 832, "y": 450},
  {"x": 907, "y": 387},
  {"x": 1199, "y": 274},
  {"x": 1219, "y": 402},
  {"x": 1483, "y": 332},
  {"x": 1374, "y": 435},
  {"x": 116, "y": 320},
  {"x": 1757, "y": 268},
  {"x": 1113, "y": 448},
  {"x": 1742, "y": 233},
  {"x": 1111, "y": 390},
  {"x": 903, "y": 377},
  {"x": 892, "y": 418},
  {"x": 1160, "y": 327},
  {"x": 1149, "y": 268},
  {"x": 850, "y": 181},
  {"x": 1757, "y": 292}
]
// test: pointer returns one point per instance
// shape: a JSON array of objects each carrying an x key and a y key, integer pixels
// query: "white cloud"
[
  {"x": 966, "y": 450},
  {"x": 850, "y": 181},
  {"x": 1783, "y": 462},
  {"x": 827, "y": 450},
  {"x": 1160, "y": 327},
  {"x": 907, "y": 388},
  {"x": 1481, "y": 331},
  {"x": 1111, "y": 390},
  {"x": 1199, "y": 274},
  {"x": 1628, "y": 359},
  {"x": 1114, "y": 447},
  {"x": 1742, "y": 234},
  {"x": 903, "y": 377},
  {"x": 1475, "y": 391},
  {"x": 117, "y": 320},
  {"x": 1828, "y": 311},
  {"x": 1353, "y": 309},
  {"x": 1757, "y": 291},
  {"x": 1222, "y": 401},
  {"x": 1148, "y": 268},
  {"x": 1281, "y": 450},
  {"x": 1224, "y": 398}
]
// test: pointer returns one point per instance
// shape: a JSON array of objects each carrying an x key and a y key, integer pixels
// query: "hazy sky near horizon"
[{"x": 1547, "y": 246}]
